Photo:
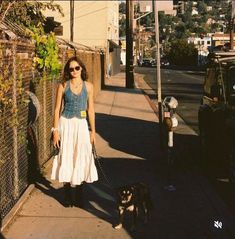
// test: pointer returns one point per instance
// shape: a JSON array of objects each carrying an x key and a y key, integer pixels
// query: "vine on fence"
[
  {"x": 47, "y": 53},
  {"x": 6, "y": 86},
  {"x": 10, "y": 107}
]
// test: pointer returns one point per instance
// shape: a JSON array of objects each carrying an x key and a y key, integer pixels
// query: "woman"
[{"x": 75, "y": 162}]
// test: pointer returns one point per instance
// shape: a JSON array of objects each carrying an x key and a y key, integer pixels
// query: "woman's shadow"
[{"x": 98, "y": 197}]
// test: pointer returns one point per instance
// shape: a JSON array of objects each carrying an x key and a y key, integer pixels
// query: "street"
[{"x": 185, "y": 86}]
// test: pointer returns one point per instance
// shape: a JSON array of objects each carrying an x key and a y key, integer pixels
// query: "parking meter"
[
  {"x": 169, "y": 107},
  {"x": 170, "y": 121}
]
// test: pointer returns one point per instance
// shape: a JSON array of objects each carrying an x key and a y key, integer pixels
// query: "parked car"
[
  {"x": 153, "y": 63},
  {"x": 165, "y": 62},
  {"x": 146, "y": 62},
  {"x": 216, "y": 115}
]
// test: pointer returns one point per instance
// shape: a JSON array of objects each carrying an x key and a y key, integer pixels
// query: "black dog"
[{"x": 133, "y": 198}]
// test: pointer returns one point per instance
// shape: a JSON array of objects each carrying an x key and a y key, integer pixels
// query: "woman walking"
[{"x": 74, "y": 164}]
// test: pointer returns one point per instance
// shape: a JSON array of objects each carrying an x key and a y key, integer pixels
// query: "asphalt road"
[{"x": 185, "y": 86}]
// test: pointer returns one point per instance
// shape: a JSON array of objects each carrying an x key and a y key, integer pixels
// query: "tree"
[
  {"x": 182, "y": 53},
  {"x": 180, "y": 31},
  {"x": 122, "y": 26},
  {"x": 26, "y": 13},
  {"x": 201, "y": 7},
  {"x": 122, "y": 8}
]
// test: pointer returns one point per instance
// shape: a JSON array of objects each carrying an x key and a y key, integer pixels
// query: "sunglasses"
[{"x": 77, "y": 68}]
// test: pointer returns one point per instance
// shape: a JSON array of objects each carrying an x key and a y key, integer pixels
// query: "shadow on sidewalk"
[
  {"x": 1, "y": 236},
  {"x": 134, "y": 155},
  {"x": 138, "y": 138}
]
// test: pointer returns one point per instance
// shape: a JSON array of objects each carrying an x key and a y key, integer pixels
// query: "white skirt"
[{"x": 75, "y": 162}]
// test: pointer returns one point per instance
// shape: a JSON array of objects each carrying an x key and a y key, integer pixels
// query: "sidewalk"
[{"x": 128, "y": 141}]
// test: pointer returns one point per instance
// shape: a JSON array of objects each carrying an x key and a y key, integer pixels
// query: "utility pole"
[
  {"x": 71, "y": 20},
  {"x": 129, "y": 45},
  {"x": 158, "y": 70},
  {"x": 232, "y": 25}
]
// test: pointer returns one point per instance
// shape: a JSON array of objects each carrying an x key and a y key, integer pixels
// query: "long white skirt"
[{"x": 75, "y": 162}]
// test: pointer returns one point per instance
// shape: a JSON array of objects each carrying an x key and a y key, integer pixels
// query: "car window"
[
  {"x": 221, "y": 81},
  {"x": 209, "y": 81}
]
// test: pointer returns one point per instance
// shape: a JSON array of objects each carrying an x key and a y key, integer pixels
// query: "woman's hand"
[
  {"x": 56, "y": 139},
  {"x": 92, "y": 137}
]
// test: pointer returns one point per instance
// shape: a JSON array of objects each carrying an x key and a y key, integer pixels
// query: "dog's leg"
[
  {"x": 120, "y": 217},
  {"x": 134, "y": 210},
  {"x": 146, "y": 212}
]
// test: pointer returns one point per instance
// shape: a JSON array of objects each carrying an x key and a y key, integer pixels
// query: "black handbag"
[{"x": 55, "y": 151}]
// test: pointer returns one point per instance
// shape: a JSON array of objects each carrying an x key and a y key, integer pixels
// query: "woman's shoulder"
[{"x": 62, "y": 86}]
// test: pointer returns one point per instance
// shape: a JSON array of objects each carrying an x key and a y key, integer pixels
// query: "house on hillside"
[
  {"x": 93, "y": 24},
  {"x": 220, "y": 40},
  {"x": 203, "y": 45},
  {"x": 165, "y": 6}
]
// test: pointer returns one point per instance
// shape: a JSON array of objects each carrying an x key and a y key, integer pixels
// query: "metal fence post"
[{"x": 15, "y": 134}]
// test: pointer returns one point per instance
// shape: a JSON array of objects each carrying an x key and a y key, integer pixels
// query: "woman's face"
[{"x": 75, "y": 69}]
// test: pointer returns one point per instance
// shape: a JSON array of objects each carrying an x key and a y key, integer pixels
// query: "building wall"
[
  {"x": 64, "y": 20},
  {"x": 90, "y": 23},
  {"x": 221, "y": 39},
  {"x": 94, "y": 22},
  {"x": 166, "y": 6}
]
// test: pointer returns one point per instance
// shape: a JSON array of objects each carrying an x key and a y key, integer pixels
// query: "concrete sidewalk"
[{"x": 128, "y": 141}]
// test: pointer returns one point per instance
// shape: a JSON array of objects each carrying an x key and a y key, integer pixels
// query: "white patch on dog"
[{"x": 130, "y": 208}]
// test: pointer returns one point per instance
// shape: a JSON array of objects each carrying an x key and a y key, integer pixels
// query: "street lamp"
[{"x": 71, "y": 20}]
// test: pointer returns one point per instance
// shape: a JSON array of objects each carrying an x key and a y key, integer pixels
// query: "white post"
[{"x": 158, "y": 73}]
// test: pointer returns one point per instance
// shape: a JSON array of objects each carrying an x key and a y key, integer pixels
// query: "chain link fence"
[{"x": 26, "y": 121}]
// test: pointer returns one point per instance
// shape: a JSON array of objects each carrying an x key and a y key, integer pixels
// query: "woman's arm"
[
  {"x": 59, "y": 95},
  {"x": 91, "y": 111}
]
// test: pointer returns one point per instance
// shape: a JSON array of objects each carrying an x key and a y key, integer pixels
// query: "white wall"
[{"x": 94, "y": 21}]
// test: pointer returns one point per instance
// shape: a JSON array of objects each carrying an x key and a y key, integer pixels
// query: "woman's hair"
[{"x": 67, "y": 75}]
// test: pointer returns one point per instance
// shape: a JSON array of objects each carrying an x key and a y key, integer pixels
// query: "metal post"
[
  {"x": 158, "y": 72},
  {"x": 232, "y": 25},
  {"x": 170, "y": 162},
  {"x": 71, "y": 20},
  {"x": 129, "y": 45},
  {"x": 15, "y": 132}
]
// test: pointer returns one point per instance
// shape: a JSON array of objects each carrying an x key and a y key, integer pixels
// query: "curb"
[{"x": 11, "y": 215}]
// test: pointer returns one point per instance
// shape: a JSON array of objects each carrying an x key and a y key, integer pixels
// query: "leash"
[{"x": 97, "y": 158}]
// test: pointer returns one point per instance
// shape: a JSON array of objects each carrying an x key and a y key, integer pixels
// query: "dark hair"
[{"x": 67, "y": 74}]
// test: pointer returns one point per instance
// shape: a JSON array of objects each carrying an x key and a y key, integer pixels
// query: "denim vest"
[{"x": 75, "y": 105}]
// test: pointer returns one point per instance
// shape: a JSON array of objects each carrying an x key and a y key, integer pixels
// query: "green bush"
[{"x": 182, "y": 53}]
